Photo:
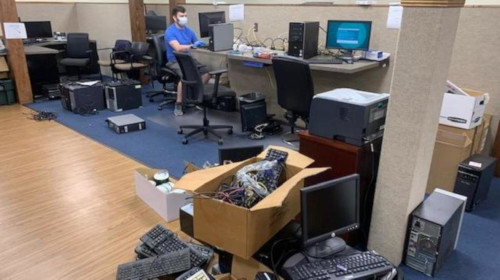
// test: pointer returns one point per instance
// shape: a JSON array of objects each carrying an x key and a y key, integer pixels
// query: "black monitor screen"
[
  {"x": 210, "y": 18},
  {"x": 38, "y": 29},
  {"x": 156, "y": 23},
  {"x": 330, "y": 207},
  {"x": 238, "y": 154}
]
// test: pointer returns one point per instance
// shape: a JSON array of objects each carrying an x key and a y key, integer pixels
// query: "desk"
[
  {"x": 43, "y": 63},
  {"x": 244, "y": 79}
]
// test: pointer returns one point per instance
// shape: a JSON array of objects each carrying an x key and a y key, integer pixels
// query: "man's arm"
[{"x": 178, "y": 47}]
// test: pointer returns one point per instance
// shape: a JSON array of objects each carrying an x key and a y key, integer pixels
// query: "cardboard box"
[
  {"x": 453, "y": 145},
  {"x": 481, "y": 135},
  {"x": 4, "y": 68},
  {"x": 239, "y": 230},
  {"x": 462, "y": 108},
  {"x": 165, "y": 205}
]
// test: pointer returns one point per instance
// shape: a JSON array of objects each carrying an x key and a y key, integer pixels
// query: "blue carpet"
[
  {"x": 159, "y": 145},
  {"x": 477, "y": 254}
]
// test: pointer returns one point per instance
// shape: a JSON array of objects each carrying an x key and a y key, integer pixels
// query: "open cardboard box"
[
  {"x": 166, "y": 205},
  {"x": 463, "y": 108},
  {"x": 239, "y": 230}
]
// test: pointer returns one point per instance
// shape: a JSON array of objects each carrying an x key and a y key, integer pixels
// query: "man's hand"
[{"x": 198, "y": 44}]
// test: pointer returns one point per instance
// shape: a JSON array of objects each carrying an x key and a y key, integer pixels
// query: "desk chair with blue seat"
[
  {"x": 78, "y": 52},
  {"x": 295, "y": 91},
  {"x": 203, "y": 95}
]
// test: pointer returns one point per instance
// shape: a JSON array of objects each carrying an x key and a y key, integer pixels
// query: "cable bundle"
[{"x": 43, "y": 116}]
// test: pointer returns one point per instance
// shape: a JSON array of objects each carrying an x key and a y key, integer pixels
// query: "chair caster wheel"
[
  {"x": 179, "y": 131},
  {"x": 151, "y": 100},
  {"x": 220, "y": 142},
  {"x": 184, "y": 141},
  {"x": 229, "y": 132}
]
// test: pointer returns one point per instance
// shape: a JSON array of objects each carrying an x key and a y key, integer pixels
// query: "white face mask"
[{"x": 182, "y": 21}]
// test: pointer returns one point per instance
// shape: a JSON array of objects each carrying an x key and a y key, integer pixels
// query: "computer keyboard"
[
  {"x": 205, "y": 252},
  {"x": 357, "y": 266},
  {"x": 154, "y": 267},
  {"x": 162, "y": 241},
  {"x": 324, "y": 60},
  {"x": 143, "y": 251}
]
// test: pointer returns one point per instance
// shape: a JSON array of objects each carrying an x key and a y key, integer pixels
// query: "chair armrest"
[
  {"x": 147, "y": 57},
  {"x": 218, "y": 72},
  {"x": 103, "y": 49},
  {"x": 186, "y": 82}
]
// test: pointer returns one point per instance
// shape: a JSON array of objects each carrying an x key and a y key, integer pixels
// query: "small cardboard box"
[
  {"x": 239, "y": 230},
  {"x": 453, "y": 145},
  {"x": 462, "y": 108},
  {"x": 166, "y": 205}
]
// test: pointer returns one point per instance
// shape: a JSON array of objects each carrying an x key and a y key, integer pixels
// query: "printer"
[{"x": 352, "y": 116}]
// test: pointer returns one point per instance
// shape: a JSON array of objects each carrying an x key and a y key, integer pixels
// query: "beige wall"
[{"x": 474, "y": 63}]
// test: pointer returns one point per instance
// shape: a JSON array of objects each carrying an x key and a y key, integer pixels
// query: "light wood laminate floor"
[{"x": 68, "y": 209}]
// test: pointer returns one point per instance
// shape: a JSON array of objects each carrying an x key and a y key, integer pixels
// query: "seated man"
[{"x": 180, "y": 38}]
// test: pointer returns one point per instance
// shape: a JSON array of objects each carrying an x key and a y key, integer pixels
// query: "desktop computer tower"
[
  {"x": 303, "y": 39},
  {"x": 221, "y": 37},
  {"x": 123, "y": 95},
  {"x": 82, "y": 99},
  {"x": 474, "y": 179},
  {"x": 433, "y": 232}
]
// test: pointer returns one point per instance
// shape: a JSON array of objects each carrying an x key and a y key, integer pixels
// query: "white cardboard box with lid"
[{"x": 463, "y": 108}]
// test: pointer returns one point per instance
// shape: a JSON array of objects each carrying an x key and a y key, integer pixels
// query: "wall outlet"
[{"x": 255, "y": 27}]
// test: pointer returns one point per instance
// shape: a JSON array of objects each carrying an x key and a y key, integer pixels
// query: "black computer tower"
[
  {"x": 303, "y": 39},
  {"x": 252, "y": 114},
  {"x": 433, "y": 231},
  {"x": 82, "y": 99},
  {"x": 474, "y": 179},
  {"x": 123, "y": 95}
]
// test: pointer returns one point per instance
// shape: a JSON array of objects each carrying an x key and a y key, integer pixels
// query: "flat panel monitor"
[
  {"x": 38, "y": 29},
  {"x": 329, "y": 209},
  {"x": 348, "y": 35},
  {"x": 156, "y": 23},
  {"x": 210, "y": 18},
  {"x": 238, "y": 153}
]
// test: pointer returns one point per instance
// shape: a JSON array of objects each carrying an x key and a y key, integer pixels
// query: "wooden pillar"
[
  {"x": 137, "y": 21},
  {"x": 421, "y": 67},
  {"x": 15, "y": 55}
]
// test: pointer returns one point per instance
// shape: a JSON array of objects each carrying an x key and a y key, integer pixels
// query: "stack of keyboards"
[{"x": 162, "y": 253}]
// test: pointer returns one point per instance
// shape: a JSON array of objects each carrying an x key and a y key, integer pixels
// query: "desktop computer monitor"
[
  {"x": 155, "y": 23},
  {"x": 239, "y": 153},
  {"x": 329, "y": 209},
  {"x": 38, "y": 29},
  {"x": 348, "y": 35},
  {"x": 210, "y": 18}
]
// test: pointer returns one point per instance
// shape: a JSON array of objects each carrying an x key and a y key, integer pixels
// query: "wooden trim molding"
[{"x": 433, "y": 3}]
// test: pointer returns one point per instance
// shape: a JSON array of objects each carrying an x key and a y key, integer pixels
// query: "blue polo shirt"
[{"x": 184, "y": 35}]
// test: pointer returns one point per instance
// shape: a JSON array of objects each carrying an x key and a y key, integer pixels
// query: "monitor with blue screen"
[{"x": 348, "y": 35}]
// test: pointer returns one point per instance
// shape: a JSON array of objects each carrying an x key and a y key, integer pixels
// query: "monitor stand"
[
  {"x": 326, "y": 248},
  {"x": 348, "y": 56}
]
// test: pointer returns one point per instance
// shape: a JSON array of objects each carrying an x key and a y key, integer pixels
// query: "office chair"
[
  {"x": 77, "y": 52},
  {"x": 161, "y": 73},
  {"x": 295, "y": 91},
  {"x": 195, "y": 92},
  {"x": 136, "y": 59},
  {"x": 120, "y": 45}
]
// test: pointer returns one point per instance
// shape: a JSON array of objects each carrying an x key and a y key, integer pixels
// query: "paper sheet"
[
  {"x": 394, "y": 17},
  {"x": 237, "y": 12},
  {"x": 90, "y": 83},
  {"x": 14, "y": 30}
]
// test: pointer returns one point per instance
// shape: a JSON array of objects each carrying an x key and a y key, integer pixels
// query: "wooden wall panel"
[
  {"x": 137, "y": 23},
  {"x": 15, "y": 55},
  {"x": 433, "y": 3}
]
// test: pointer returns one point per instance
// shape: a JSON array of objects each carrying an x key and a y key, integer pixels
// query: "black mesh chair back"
[
  {"x": 191, "y": 78},
  {"x": 122, "y": 45},
  {"x": 139, "y": 49},
  {"x": 77, "y": 45},
  {"x": 294, "y": 83},
  {"x": 160, "y": 51}
]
